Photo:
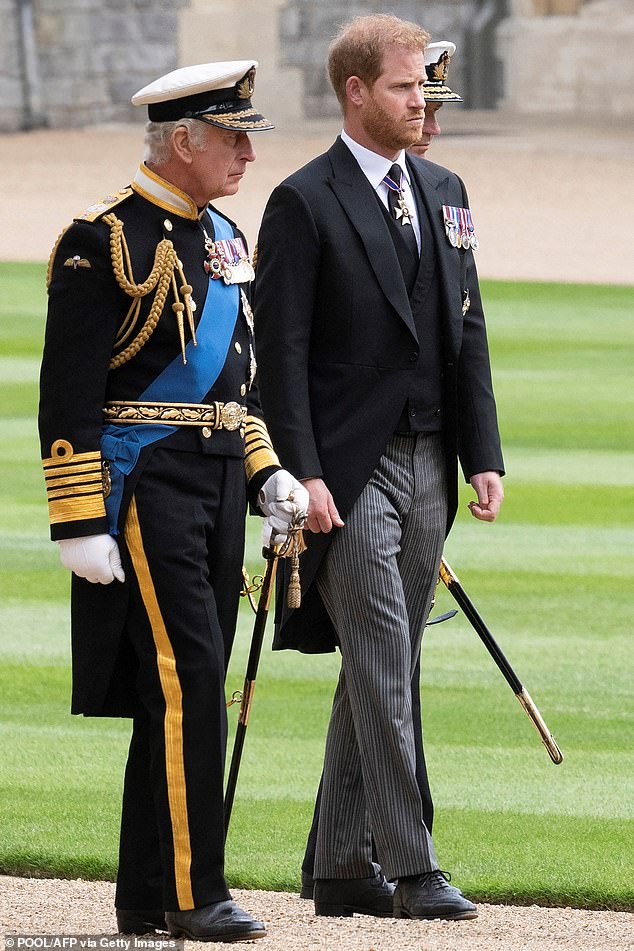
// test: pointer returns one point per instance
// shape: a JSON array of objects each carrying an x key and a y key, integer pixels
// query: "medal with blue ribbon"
[
  {"x": 227, "y": 258},
  {"x": 398, "y": 207},
  {"x": 459, "y": 227}
]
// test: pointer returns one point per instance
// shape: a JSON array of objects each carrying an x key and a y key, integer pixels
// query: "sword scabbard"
[{"x": 538, "y": 722}]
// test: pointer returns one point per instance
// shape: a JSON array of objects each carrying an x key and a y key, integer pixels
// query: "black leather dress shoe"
[
  {"x": 342, "y": 897},
  {"x": 308, "y": 885},
  {"x": 431, "y": 896},
  {"x": 140, "y": 922},
  {"x": 220, "y": 921}
]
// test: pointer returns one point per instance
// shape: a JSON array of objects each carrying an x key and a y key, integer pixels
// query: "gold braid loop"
[
  {"x": 51, "y": 260},
  {"x": 159, "y": 280}
]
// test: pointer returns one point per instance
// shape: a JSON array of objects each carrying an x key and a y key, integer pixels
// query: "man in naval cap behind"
[
  {"x": 152, "y": 442},
  {"x": 436, "y": 91}
]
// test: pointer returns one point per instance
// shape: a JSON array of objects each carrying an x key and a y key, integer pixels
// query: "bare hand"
[
  {"x": 488, "y": 486},
  {"x": 322, "y": 511}
]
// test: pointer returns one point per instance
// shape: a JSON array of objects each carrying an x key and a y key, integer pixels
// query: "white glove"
[
  {"x": 94, "y": 557},
  {"x": 282, "y": 499}
]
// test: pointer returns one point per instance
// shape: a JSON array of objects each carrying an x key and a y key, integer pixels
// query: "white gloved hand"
[
  {"x": 282, "y": 499},
  {"x": 94, "y": 557}
]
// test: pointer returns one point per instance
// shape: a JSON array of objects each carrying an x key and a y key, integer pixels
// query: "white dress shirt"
[{"x": 375, "y": 167}]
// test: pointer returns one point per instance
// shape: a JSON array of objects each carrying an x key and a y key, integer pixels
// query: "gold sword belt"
[{"x": 228, "y": 416}]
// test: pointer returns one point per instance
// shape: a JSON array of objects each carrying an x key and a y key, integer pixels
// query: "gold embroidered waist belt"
[{"x": 214, "y": 415}]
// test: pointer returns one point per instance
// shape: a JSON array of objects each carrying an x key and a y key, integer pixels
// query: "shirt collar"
[
  {"x": 160, "y": 192},
  {"x": 374, "y": 166}
]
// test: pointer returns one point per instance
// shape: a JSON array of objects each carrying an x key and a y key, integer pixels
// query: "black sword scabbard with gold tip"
[
  {"x": 291, "y": 548},
  {"x": 450, "y": 580},
  {"x": 266, "y": 591}
]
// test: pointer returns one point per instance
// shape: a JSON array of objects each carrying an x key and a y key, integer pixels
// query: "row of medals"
[
  {"x": 459, "y": 227},
  {"x": 458, "y": 238},
  {"x": 228, "y": 260},
  {"x": 461, "y": 239}
]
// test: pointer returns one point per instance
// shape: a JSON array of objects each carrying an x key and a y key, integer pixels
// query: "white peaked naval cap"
[
  {"x": 216, "y": 93},
  {"x": 437, "y": 58}
]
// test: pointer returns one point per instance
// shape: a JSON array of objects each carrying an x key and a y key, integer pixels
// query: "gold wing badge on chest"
[
  {"x": 77, "y": 261},
  {"x": 459, "y": 227}
]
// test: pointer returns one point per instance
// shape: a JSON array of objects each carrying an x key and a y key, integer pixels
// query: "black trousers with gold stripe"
[{"x": 184, "y": 541}]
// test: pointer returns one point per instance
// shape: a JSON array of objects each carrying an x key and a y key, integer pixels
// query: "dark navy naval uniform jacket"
[{"x": 145, "y": 243}]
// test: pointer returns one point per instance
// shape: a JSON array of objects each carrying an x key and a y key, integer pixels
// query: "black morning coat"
[
  {"x": 86, "y": 309},
  {"x": 337, "y": 347}
]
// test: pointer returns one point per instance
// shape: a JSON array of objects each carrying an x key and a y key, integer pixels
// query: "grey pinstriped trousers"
[{"x": 377, "y": 581}]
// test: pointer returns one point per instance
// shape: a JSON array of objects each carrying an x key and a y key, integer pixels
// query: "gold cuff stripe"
[
  {"x": 256, "y": 422},
  {"x": 94, "y": 476},
  {"x": 255, "y": 429},
  {"x": 251, "y": 445},
  {"x": 260, "y": 431},
  {"x": 259, "y": 459},
  {"x": 72, "y": 491},
  {"x": 253, "y": 433},
  {"x": 173, "y": 723},
  {"x": 71, "y": 460},
  {"x": 76, "y": 509},
  {"x": 51, "y": 474}
]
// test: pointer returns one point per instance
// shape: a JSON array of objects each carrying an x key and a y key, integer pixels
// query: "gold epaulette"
[
  {"x": 99, "y": 208},
  {"x": 92, "y": 213},
  {"x": 258, "y": 448}
]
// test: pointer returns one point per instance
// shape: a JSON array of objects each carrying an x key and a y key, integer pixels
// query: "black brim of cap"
[{"x": 221, "y": 108}]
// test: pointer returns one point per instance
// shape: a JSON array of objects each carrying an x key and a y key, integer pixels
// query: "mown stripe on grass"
[
  {"x": 593, "y": 467},
  {"x": 577, "y": 549}
]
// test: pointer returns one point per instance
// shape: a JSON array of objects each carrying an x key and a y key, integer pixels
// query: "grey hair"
[{"x": 158, "y": 137}]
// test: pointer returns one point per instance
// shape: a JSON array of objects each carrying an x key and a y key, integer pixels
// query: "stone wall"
[
  {"x": 576, "y": 64},
  {"x": 306, "y": 29},
  {"x": 11, "y": 85},
  {"x": 249, "y": 29},
  {"x": 82, "y": 59},
  {"x": 89, "y": 57}
]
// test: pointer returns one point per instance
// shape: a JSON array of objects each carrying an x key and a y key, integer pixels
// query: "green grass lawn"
[{"x": 553, "y": 579}]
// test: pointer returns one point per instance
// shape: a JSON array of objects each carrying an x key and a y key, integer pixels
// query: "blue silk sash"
[{"x": 178, "y": 382}]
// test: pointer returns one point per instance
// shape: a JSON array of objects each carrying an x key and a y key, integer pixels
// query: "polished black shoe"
[
  {"x": 431, "y": 896},
  {"x": 308, "y": 885},
  {"x": 140, "y": 922},
  {"x": 221, "y": 921},
  {"x": 342, "y": 897}
]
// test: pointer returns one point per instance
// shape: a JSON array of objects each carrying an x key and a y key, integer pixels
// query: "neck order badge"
[{"x": 395, "y": 196}]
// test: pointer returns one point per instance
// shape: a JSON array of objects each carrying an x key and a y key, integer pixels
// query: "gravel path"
[
  {"x": 47, "y": 906},
  {"x": 552, "y": 200}
]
